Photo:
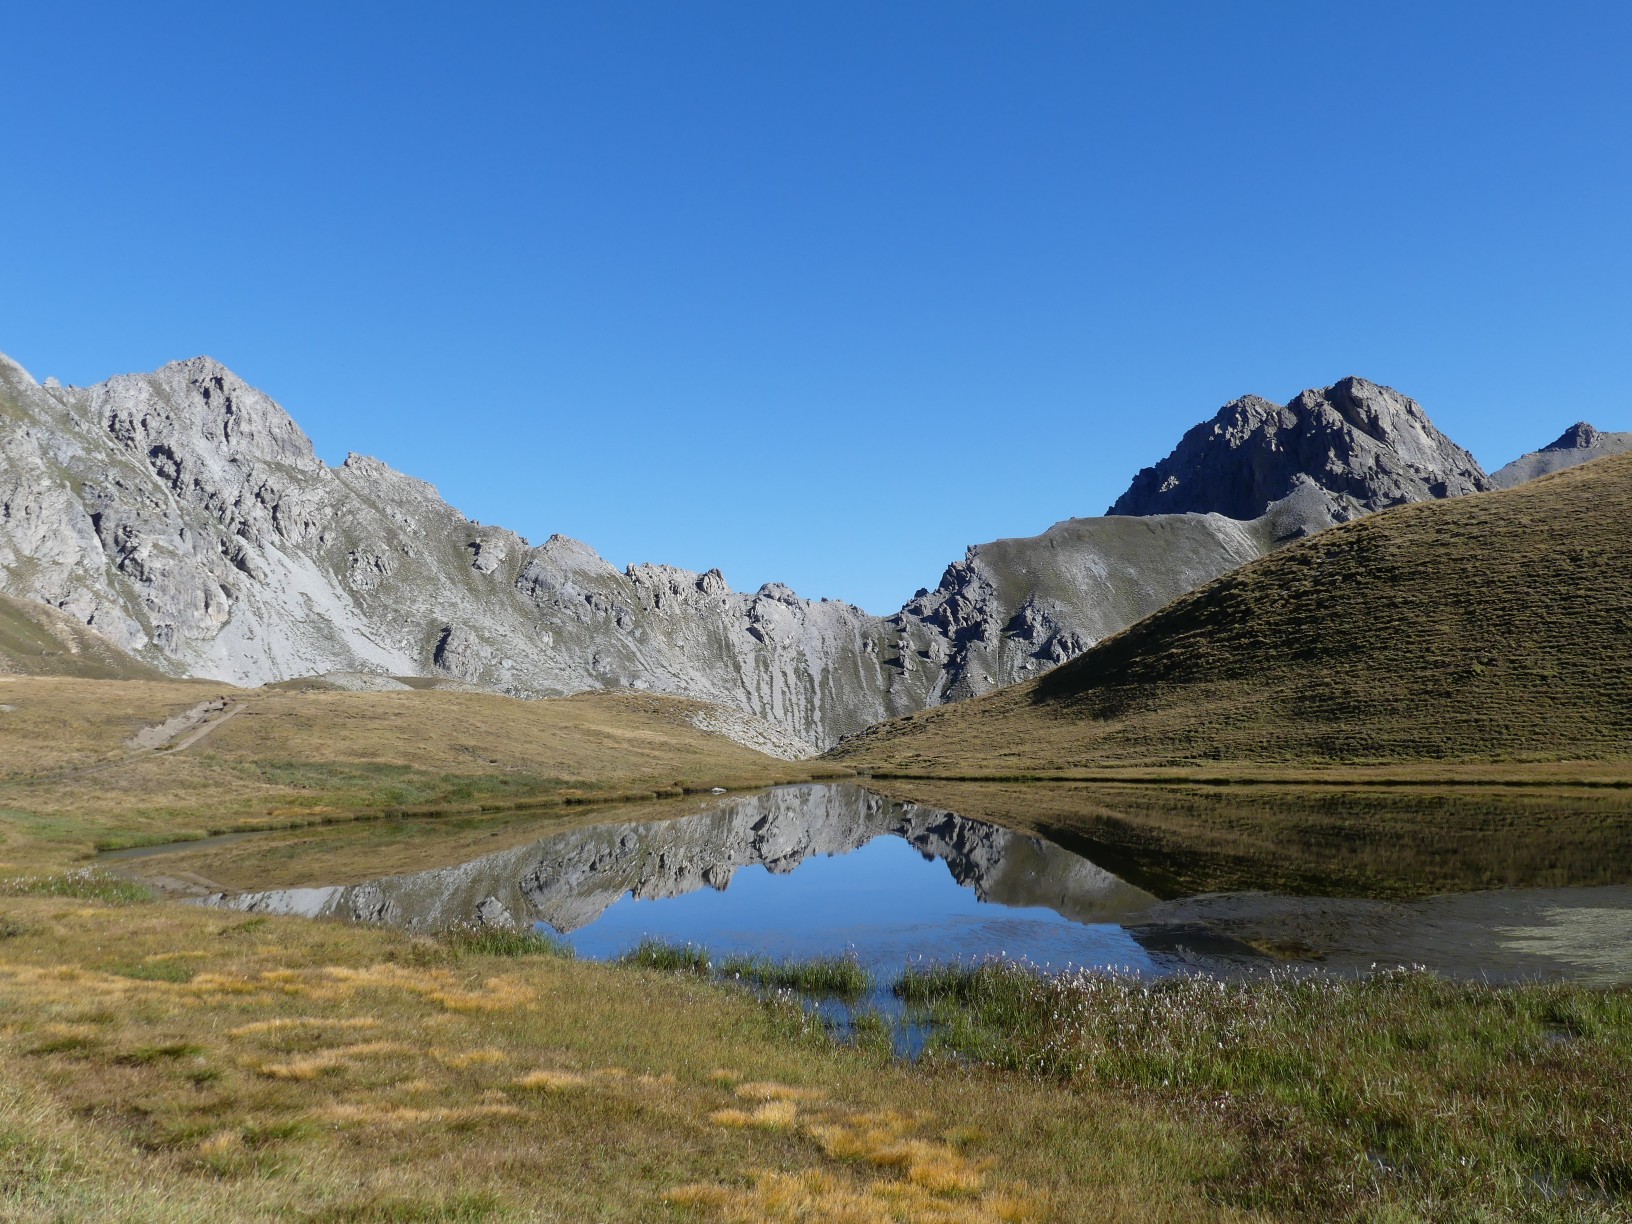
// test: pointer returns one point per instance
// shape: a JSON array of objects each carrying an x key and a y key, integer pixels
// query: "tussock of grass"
[
  {"x": 154, "y": 971},
  {"x": 769, "y": 1090},
  {"x": 154, "y": 1053},
  {"x": 553, "y": 1080},
  {"x": 458, "y": 1059},
  {"x": 668, "y": 957},
  {"x": 296, "y": 1024},
  {"x": 835, "y": 976},
  {"x": 69, "y": 1043},
  {"x": 943, "y": 982},
  {"x": 839, "y": 976},
  {"x": 505, "y": 941},
  {"x": 771, "y": 1115}
]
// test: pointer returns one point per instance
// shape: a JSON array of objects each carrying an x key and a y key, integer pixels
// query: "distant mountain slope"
[
  {"x": 1013, "y": 609},
  {"x": 1360, "y": 446},
  {"x": 1580, "y": 443},
  {"x": 1496, "y": 627},
  {"x": 39, "y": 640}
]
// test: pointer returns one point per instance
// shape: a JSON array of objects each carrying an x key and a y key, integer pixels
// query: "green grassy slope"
[
  {"x": 39, "y": 640},
  {"x": 1492, "y": 628}
]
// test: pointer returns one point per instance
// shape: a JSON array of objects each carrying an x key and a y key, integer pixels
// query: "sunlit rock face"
[
  {"x": 185, "y": 516},
  {"x": 569, "y": 880}
]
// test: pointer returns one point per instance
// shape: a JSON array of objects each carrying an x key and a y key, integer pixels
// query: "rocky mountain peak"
[
  {"x": 1360, "y": 445},
  {"x": 15, "y": 368},
  {"x": 1580, "y": 443},
  {"x": 1579, "y": 436},
  {"x": 184, "y": 402}
]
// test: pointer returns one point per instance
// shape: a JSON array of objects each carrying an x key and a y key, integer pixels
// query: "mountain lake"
[{"x": 827, "y": 870}]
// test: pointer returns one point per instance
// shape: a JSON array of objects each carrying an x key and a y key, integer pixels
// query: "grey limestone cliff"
[{"x": 184, "y": 515}]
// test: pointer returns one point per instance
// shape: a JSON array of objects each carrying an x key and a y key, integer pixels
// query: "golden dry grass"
[
  {"x": 69, "y": 780},
  {"x": 315, "y": 1071},
  {"x": 1489, "y": 633}
]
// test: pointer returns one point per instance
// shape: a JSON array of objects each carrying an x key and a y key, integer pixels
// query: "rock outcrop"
[
  {"x": 1580, "y": 443},
  {"x": 1012, "y": 609},
  {"x": 1357, "y": 446}
]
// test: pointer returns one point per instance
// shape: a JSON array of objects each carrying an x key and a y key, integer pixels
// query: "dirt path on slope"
[
  {"x": 209, "y": 725},
  {"x": 174, "y": 735}
]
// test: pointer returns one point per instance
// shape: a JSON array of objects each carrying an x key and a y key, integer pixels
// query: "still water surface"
[{"x": 835, "y": 869}]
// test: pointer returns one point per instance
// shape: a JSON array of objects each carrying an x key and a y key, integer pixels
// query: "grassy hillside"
[
  {"x": 39, "y": 640},
  {"x": 1488, "y": 629},
  {"x": 71, "y": 777}
]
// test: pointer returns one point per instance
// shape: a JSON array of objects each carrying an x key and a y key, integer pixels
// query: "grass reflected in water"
[{"x": 1366, "y": 842}]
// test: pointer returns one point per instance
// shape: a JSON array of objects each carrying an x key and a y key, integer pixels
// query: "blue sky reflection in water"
[{"x": 885, "y": 903}]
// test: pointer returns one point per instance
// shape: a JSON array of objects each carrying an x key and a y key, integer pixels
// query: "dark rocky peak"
[
  {"x": 1579, "y": 436},
  {"x": 1360, "y": 445}
]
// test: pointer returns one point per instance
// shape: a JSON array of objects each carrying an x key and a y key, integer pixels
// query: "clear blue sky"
[{"x": 822, "y": 292}]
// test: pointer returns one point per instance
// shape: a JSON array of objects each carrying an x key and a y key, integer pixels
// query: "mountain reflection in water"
[
  {"x": 830, "y": 869},
  {"x": 842, "y": 869}
]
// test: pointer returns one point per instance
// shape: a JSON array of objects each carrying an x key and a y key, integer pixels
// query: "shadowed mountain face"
[
  {"x": 1359, "y": 447},
  {"x": 570, "y": 879}
]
